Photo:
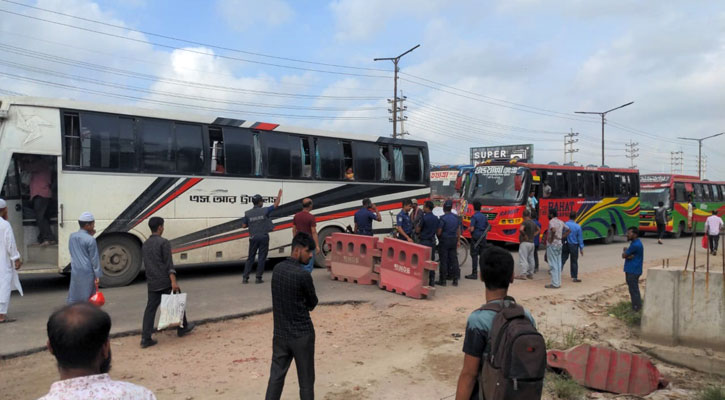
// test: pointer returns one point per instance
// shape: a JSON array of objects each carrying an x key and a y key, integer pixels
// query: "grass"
[
  {"x": 563, "y": 340},
  {"x": 623, "y": 311},
  {"x": 712, "y": 393},
  {"x": 563, "y": 387}
]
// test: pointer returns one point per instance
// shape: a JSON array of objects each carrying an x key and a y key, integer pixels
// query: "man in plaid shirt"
[{"x": 293, "y": 297}]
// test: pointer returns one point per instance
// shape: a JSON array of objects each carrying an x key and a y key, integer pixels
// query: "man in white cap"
[
  {"x": 85, "y": 264},
  {"x": 9, "y": 263}
]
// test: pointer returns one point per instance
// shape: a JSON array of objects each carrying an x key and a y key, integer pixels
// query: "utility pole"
[
  {"x": 603, "y": 114},
  {"x": 632, "y": 153},
  {"x": 676, "y": 162},
  {"x": 699, "y": 151},
  {"x": 704, "y": 167},
  {"x": 395, "y": 61},
  {"x": 402, "y": 117},
  {"x": 569, "y": 141}
]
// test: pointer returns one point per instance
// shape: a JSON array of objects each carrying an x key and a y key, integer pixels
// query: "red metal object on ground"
[
  {"x": 404, "y": 268},
  {"x": 352, "y": 258},
  {"x": 609, "y": 370}
]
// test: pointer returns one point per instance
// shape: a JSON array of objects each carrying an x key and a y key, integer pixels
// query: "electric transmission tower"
[
  {"x": 402, "y": 117},
  {"x": 676, "y": 162},
  {"x": 632, "y": 153},
  {"x": 569, "y": 140}
]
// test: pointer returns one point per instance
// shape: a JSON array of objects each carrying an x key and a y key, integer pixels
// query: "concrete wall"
[{"x": 684, "y": 308}]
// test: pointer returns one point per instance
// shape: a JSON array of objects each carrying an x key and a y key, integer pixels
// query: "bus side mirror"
[{"x": 459, "y": 181}]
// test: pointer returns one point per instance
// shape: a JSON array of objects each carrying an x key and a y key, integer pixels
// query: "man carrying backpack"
[{"x": 493, "y": 368}]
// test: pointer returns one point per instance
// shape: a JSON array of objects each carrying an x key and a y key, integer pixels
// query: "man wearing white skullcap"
[
  {"x": 9, "y": 263},
  {"x": 85, "y": 263}
]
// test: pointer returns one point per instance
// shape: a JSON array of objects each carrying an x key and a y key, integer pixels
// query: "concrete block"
[{"x": 684, "y": 307}]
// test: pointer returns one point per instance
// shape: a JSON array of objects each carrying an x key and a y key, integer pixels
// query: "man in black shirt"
[
  {"x": 293, "y": 297},
  {"x": 160, "y": 278}
]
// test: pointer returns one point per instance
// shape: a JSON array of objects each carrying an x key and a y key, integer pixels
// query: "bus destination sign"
[
  {"x": 654, "y": 179},
  {"x": 521, "y": 152}
]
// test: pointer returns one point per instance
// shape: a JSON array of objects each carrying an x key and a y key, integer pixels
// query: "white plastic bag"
[{"x": 173, "y": 307}]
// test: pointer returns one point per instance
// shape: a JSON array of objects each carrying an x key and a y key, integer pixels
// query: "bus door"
[{"x": 11, "y": 194}]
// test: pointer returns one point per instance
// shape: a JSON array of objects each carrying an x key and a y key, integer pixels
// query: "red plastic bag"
[
  {"x": 704, "y": 241},
  {"x": 97, "y": 299}
]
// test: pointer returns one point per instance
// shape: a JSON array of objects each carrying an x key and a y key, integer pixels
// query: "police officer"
[
  {"x": 259, "y": 223},
  {"x": 365, "y": 216},
  {"x": 449, "y": 232},
  {"x": 403, "y": 223},
  {"x": 426, "y": 232},
  {"x": 478, "y": 227}
]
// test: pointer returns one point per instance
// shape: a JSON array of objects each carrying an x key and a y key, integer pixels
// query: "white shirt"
[
  {"x": 713, "y": 224},
  {"x": 8, "y": 275},
  {"x": 97, "y": 387}
]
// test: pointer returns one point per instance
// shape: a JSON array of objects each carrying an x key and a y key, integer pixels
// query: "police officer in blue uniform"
[
  {"x": 365, "y": 216},
  {"x": 403, "y": 223},
  {"x": 426, "y": 232},
  {"x": 449, "y": 232},
  {"x": 259, "y": 224},
  {"x": 478, "y": 228}
]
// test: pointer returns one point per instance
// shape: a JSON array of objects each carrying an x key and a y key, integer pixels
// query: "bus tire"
[
  {"x": 120, "y": 260},
  {"x": 320, "y": 257},
  {"x": 680, "y": 229},
  {"x": 610, "y": 236}
]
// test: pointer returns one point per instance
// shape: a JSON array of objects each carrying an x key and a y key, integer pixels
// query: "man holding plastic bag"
[{"x": 162, "y": 287}]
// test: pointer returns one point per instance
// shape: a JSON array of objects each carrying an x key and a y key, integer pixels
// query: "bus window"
[
  {"x": 634, "y": 184},
  {"x": 706, "y": 192},
  {"x": 347, "y": 156},
  {"x": 385, "y": 165},
  {"x": 421, "y": 162},
  {"x": 189, "y": 148},
  {"x": 576, "y": 183},
  {"x": 590, "y": 184},
  {"x": 257, "y": 155},
  {"x": 714, "y": 195},
  {"x": 239, "y": 152},
  {"x": 126, "y": 145},
  {"x": 158, "y": 152},
  {"x": 721, "y": 189},
  {"x": 306, "y": 156},
  {"x": 216, "y": 144},
  {"x": 605, "y": 184},
  {"x": 99, "y": 141},
  {"x": 11, "y": 186},
  {"x": 366, "y": 161},
  {"x": 680, "y": 194},
  {"x": 276, "y": 153},
  {"x": 72, "y": 138},
  {"x": 698, "y": 191},
  {"x": 328, "y": 160},
  {"x": 621, "y": 185},
  {"x": 398, "y": 163},
  {"x": 295, "y": 154},
  {"x": 411, "y": 165}
]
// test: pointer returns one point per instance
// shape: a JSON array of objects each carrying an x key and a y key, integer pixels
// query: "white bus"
[{"x": 125, "y": 165}]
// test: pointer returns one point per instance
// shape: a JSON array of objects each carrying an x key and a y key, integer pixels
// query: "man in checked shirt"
[{"x": 293, "y": 297}]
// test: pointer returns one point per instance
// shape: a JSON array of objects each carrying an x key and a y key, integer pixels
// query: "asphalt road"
[{"x": 217, "y": 292}]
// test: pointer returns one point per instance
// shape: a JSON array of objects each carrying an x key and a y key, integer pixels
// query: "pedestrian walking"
[
  {"x": 661, "y": 221},
  {"x": 10, "y": 262},
  {"x": 633, "y": 257},
  {"x": 293, "y": 297},
  {"x": 557, "y": 231},
  {"x": 85, "y": 264},
  {"x": 403, "y": 223},
  {"x": 365, "y": 216},
  {"x": 478, "y": 227},
  {"x": 527, "y": 231},
  {"x": 40, "y": 195},
  {"x": 78, "y": 338},
  {"x": 305, "y": 222},
  {"x": 427, "y": 232},
  {"x": 449, "y": 233},
  {"x": 160, "y": 279},
  {"x": 713, "y": 227},
  {"x": 573, "y": 247},
  {"x": 497, "y": 275},
  {"x": 537, "y": 240},
  {"x": 259, "y": 223}
]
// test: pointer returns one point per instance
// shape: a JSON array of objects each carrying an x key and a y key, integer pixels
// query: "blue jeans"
[
  {"x": 311, "y": 264},
  {"x": 553, "y": 255}
]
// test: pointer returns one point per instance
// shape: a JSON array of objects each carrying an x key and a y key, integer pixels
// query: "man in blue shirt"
[
  {"x": 478, "y": 228},
  {"x": 633, "y": 257},
  {"x": 449, "y": 232},
  {"x": 403, "y": 223},
  {"x": 364, "y": 218},
  {"x": 426, "y": 232},
  {"x": 573, "y": 247}
]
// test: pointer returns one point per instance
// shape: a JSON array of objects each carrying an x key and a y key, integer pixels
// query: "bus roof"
[
  {"x": 671, "y": 178},
  {"x": 557, "y": 166},
  {"x": 7, "y": 101}
]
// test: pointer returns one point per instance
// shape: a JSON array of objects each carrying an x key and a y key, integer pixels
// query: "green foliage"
[
  {"x": 712, "y": 393},
  {"x": 563, "y": 340},
  {"x": 623, "y": 311},
  {"x": 562, "y": 387}
]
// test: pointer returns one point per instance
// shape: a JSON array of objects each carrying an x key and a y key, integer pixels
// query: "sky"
[{"x": 485, "y": 74}]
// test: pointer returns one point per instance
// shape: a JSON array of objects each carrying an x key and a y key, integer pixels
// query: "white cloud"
[{"x": 242, "y": 15}]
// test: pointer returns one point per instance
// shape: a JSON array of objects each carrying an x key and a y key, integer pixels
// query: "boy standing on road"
[
  {"x": 305, "y": 222},
  {"x": 160, "y": 279},
  {"x": 573, "y": 247},
  {"x": 497, "y": 274},
  {"x": 633, "y": 257},
  {"x": 259, "y": 223}
]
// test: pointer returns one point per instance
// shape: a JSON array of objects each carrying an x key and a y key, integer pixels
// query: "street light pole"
[
  {"x": 603, "y": 114},
  {"x": 395, "y": 61},
  {"x": 699, "y": 150}
]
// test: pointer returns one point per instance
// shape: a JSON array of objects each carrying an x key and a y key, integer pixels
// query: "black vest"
[{"x": 258, "y": 222}]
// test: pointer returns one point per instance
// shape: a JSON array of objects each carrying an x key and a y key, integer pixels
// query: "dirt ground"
[{"x": 395, "y": 348}]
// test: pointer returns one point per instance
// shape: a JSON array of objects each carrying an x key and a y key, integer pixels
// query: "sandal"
[{"x": 8, "y": 320}]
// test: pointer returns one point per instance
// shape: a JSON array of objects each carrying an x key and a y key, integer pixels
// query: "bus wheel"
[
  {"x": 120, "y": 260},
  {"x": 320, "y": 257},
  {"x": 680, "y": 229},
  {"x": 610, "y": 236}
]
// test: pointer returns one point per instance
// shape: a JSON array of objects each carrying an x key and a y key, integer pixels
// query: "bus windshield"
[
  {"x": 500, "y": 184},
  {"x": 650, "y": 198}
]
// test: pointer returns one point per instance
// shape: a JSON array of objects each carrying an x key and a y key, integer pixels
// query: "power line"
[
  {"x": 570, "y": 141},
  {"x": 631, "y": 151},
  {"x": 676, "y": 162}
]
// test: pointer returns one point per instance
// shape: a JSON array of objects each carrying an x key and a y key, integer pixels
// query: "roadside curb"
[{"x": 203, "y": 321}]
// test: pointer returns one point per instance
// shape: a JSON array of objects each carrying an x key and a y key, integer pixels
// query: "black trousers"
[
  {"x": 302, "y": 350},
  {"x": 40, "y": 206},
  {"x": 449, "y": 268},
  {"x": 430, "y": 243},
  {"x": 258, "y": 244},
  {"x": 633, "y": 285},
  {"x": 661, "y": 230},
  {"x": 149, "y": 315},
  {"x": 477, "y": 254},
  {"x": 712, "y": 242},
  {"x": 569, "y": 250}
]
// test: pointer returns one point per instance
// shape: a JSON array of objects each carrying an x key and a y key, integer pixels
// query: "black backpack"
[{"x": 515, "y": 360}]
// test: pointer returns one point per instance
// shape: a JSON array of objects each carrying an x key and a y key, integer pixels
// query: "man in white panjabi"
[{"x": 9, "y": 263}]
